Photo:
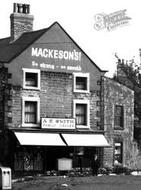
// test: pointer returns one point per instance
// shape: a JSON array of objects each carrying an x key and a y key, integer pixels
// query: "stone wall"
[{"x": 117, "y": 94}]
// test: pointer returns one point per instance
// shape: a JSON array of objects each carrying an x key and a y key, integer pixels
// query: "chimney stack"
[{"x": 21, "y": 20}]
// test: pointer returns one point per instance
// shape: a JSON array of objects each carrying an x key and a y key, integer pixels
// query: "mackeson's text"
[{"x": 56, "y": 54}]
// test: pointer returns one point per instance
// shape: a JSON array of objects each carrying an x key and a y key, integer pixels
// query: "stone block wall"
[{"x": 117, "y": 94}]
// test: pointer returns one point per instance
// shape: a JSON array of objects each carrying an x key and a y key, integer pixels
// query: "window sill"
[
  {"x": 118, "y": 128},
  {"x": 30, "y": 125},
  {"x": 31, "y": 88},
  {"x": 81, "y": 91},
  {"x": 82, "y": 127}
]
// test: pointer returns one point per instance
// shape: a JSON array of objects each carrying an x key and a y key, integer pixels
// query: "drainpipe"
[{"x": 3, "y": 98}]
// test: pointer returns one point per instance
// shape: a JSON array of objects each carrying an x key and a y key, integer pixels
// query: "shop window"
[
  {"x": 30, "y": 160},
  {"x": 30, "y": 112},
  {"x": 31, "y": 79},
  {"x": 118, "y": 153},
  {"x": 81, "y": 113},
  {"x": 119, "y": 117},
  {"x": 81, "y": 82}
]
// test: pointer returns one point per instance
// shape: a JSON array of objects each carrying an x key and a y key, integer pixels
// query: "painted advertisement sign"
[
  {"x": 56, "y": 59},
  {"x": 56, "y": 54}
]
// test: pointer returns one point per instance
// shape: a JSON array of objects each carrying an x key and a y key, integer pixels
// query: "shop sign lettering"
[{"x": 58, "y": 123}]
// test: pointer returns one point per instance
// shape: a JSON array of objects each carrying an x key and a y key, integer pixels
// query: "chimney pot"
[
  {"x": 24, "y": 9},
  {"x": 21, "y": 20},
  {"x": 20, "y": 8},
  {"x": 15, "y": 8},
  {"x": 28, "y": 8}
]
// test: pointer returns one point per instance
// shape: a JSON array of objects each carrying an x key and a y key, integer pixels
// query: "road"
[{"x": 81, "y": 183}]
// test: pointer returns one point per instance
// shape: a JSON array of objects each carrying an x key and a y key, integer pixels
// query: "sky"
[{"x": 77, "y": 17}]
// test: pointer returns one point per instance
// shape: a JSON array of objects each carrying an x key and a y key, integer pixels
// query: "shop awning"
[
  {"x": 40, "y": 139},
  {"x": 95, "y": 140}
]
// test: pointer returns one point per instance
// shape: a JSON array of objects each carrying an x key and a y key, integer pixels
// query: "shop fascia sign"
[
  {"x": 57, "y": 123},
  {"x": 56, "y": 54}
]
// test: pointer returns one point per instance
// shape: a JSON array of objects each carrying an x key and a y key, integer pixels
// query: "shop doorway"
[{"x": 52, "y": 154}]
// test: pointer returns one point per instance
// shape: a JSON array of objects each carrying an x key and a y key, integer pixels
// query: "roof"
[
  {"x": 117, "y": 82},
  {"x": 4, "y": 42},
  {"x": 10, "y": 50}
]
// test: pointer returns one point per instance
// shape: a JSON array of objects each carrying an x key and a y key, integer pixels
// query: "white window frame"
[
  {"x": 37, "y": 71},
  {"x": 30, "y": 99},
  {"x": 86, "y": 102},
  {"x": 83, "y": 75}
]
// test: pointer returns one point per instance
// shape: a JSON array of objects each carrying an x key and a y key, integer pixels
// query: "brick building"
[{"x": 55, "y": 101}]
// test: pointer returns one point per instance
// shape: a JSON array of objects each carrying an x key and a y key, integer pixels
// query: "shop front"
[{"x": 39, "y": 152}]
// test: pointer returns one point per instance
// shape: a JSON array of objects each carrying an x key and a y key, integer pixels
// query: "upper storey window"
[
  {"x": 81, "y": 82},
  {"x": 119, "y": 117},
  {"x": 31, "y": 79},
  {"x": 30, "y": 111},
  {"x": 81, "y": 111}
]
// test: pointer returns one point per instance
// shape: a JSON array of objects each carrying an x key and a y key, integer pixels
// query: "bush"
[
  {"x": 116, "y": 169},
  {"x": 79, "y": 173},
  {"x": 105, "y": 170},
  {"x": 121, "y": 170}
]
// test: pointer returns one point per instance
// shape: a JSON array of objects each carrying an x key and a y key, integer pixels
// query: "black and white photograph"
[{"x": 70, "y": 95}]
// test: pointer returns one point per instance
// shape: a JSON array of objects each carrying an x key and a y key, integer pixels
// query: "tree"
[{"x": 129, "y": 74}]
